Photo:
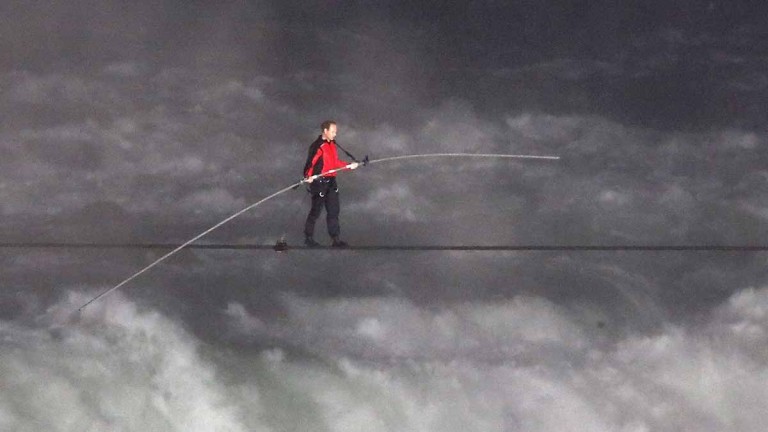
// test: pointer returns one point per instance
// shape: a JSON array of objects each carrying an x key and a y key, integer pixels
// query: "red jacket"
[{"x": 322, "y": 158}]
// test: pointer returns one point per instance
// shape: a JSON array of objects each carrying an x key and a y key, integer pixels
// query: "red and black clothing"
[{"x": 322, "y": 158}]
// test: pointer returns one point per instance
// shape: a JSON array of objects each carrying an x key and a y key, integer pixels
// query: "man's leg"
[
  {"x": 314, "y": 212},
  {"x": 332, "y": 213},
  {"x": 332, "y": 209}
]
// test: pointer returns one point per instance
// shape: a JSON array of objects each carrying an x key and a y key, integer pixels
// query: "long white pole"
[{"x": 293, "y": 186}]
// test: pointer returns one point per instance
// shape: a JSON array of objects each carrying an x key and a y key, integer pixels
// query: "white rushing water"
[{"x": 385, "y": 365}]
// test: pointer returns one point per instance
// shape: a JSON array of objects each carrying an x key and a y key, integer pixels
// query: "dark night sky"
[{"x": 151, "y": 121}]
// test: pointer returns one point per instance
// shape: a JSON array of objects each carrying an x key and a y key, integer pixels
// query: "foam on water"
[{"x": 386, "y": 365}]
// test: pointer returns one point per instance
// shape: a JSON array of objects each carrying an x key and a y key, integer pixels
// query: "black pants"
[{"x": 324, "y": 193}]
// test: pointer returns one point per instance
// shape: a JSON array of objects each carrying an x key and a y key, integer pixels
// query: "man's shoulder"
[{"x": 316, "y": 144}]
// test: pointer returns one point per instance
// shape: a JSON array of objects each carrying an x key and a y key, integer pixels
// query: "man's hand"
[
  {"x": 309, "y": 179},
  {"x": 353, "y": 165}
]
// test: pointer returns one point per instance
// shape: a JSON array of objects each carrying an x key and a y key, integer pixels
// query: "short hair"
[{"x": 326, "y": 124}]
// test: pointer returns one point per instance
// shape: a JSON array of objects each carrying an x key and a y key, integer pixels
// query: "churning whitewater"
[{"x": 384, "y": 364}]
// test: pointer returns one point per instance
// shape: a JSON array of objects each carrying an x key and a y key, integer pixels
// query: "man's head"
[{"x": 329, "y": 130}]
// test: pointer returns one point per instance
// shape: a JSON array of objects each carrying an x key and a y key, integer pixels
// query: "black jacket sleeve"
[{"x": 313, "y": 149}]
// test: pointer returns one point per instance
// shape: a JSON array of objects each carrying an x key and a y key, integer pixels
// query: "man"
[{"x": 322, "y": 158}]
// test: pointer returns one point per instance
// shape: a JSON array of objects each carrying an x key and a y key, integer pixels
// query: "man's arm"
[
  {"x": 340, "y": 163},
  {"x": 314, "y": 154}
]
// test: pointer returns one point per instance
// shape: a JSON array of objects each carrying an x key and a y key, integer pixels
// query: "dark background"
[{"x": 148, "y": 122}]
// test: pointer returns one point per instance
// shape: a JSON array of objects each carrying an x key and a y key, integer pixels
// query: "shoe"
[
  {"x": 310, "y": 242},
  {"x": 337, "y": 243}
]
